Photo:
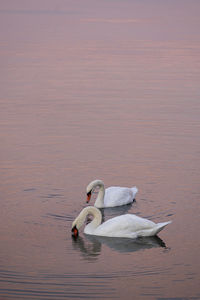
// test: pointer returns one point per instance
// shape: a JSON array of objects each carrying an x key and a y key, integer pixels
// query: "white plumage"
[
  {"x": 112, "y": 196},
  {"x": 127, "y": 226}
]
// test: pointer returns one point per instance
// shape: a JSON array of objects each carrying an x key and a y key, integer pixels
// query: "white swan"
[
  {"x": 112, "y": 196},
  {"x": 127, "y": 226}
]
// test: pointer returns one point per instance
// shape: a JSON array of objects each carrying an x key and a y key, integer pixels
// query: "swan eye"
[
  {"x": 89, "y": 194},
  {"x": 74, "y": 231}
]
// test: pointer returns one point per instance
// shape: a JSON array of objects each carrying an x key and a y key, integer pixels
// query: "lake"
[{"x": 107, "y": 90}]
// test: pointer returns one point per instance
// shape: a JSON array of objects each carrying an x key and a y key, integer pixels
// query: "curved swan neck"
[
  {"x": 93, "y": 184},
  {"x": 100, "y": 197},
  {"x": 89, "y": 210}
]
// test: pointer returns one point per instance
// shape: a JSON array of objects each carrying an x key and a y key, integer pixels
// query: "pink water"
[{"x": 109, "y": 90}]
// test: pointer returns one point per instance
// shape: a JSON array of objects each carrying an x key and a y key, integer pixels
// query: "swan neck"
[
  {"x": 97, "y": 218},
  {"x": 100, "y": 197},
  {"x": 90, "y": 210}
]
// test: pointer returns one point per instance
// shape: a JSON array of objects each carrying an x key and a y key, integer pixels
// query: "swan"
[
  {"x": 112, "y": 196},
  {"x": 126, "y": 226}
]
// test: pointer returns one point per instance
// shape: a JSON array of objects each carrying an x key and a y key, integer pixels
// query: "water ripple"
[
  {"x": 53, "y": 286},
  {"x": 16, "y": 285}
]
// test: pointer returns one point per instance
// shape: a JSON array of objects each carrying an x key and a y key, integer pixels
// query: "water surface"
[{"x": 105, "y": 90}]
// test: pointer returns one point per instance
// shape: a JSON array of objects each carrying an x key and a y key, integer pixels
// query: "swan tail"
[
  {"x": 134, "y": 190},
  {"x": 160, "y": 226}
]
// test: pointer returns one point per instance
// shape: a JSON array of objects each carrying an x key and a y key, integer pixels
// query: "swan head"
[
  {"x": 79, "y": 221},
  {"x": 89, "y": 194},
  {"x": 91, "y": 187},
  {"x": 75, "y": 231},
  {"x": 76, "y": 225}
]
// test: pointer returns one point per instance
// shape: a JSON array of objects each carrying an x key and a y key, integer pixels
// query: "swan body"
[
  {"x": 127, "y": 226},
  {"x": 112, "y": 196}
]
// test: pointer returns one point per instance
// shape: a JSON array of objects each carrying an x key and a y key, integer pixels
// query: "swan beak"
[
  {"x": 75, "y": 232},
  {"x": 88, "y": 196}
]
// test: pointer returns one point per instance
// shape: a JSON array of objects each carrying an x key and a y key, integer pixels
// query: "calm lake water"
[{"x": 108, "y": 90}]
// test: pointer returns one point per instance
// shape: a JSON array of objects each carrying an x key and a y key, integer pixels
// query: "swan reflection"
[
  {"x": 90, "y": 251},
  {"x": 112, "y": 212},
  {"x": 91, "y": 248},
  {"x": 116, "y": 211}
]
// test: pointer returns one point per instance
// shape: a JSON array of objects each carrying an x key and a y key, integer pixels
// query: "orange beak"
[
  {"x": 88, "y": 197},
  {"x": 75, "y": 232}
]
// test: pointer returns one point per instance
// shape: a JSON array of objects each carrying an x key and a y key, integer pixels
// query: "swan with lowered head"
[
  {"x": 112, "y": 196},
  {"x": 127, "y": 226}
]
